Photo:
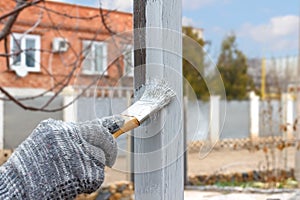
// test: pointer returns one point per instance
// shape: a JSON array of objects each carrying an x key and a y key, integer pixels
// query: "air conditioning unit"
[{"x": 59, "y": 45}]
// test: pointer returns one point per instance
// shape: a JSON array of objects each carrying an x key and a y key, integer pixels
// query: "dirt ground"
[
  {"x": 217, "y": 161},
  {"x": 227, "y": 161}
]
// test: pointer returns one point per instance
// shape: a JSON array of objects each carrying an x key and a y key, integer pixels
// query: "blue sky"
[
  {"x": 266, "y": 28},
  {"x": 263, "y": 27}
]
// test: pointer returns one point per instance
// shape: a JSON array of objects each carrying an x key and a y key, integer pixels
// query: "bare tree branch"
[
  {"x": 103, "y": 20},
  {"x": 60, "y": 81},
  {"x": 13, "y": 15},
  {"x": 35, "y": 24}
]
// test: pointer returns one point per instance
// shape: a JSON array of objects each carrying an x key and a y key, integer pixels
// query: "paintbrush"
[{"x": 156, "y": 95}]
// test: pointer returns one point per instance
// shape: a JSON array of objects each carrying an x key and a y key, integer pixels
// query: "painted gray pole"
[{"x": 158, "y": 144}]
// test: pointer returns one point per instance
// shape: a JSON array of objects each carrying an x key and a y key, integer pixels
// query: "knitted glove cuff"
[{"x": 11, "y": 184}]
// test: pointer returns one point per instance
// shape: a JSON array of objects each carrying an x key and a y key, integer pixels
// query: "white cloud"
[
  {"x": 196, "y": 4},
  {"x": 121, "y": 5},
  {"x": 279, "y": 33},
  {"x": 187, "y": 21}
]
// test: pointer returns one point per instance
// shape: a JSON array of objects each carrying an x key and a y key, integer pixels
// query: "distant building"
[
  {"x": 254, "y": 70},
  {"x": 46, "y": 46},
  {"x": 199, "y": 32},
  {"x": 276, "y": 73}
]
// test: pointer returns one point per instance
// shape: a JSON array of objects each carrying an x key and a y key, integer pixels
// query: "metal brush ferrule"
[{"x": 141, "y": 110}]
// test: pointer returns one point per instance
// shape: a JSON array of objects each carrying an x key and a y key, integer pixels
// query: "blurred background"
[{"x": 73, "y": 61}]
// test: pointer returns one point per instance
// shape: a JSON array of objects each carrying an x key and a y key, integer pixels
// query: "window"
[
  {"x": 95, "y": 54},
  {"x": 128, "y": 61},
  {"x": 26, "y": 52}
]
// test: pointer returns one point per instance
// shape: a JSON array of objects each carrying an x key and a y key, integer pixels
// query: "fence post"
[
  {"x": 287, "y": 114},
  {"x": 1, "y": 122},
  {"x": 70, "y": 112},
  {"x": 254, "y": 115},
  {"x": 214, "y": 119},
  {"x": 158, "y": 145}
]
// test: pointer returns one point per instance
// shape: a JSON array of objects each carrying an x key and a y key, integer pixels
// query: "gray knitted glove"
[{"x": 60, "y": 160}]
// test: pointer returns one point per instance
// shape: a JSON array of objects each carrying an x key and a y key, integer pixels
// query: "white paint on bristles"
[
  {"x": 157, "y": 92},
  {"x": 155, "y": 95}
]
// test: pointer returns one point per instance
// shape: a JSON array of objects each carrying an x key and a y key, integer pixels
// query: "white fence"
[
  {"x": 227, "y": 119},
  {"x": 239, "y": 119}
]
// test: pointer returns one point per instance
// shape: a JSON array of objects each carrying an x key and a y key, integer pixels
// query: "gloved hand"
[{"x": 60, "y": 160}]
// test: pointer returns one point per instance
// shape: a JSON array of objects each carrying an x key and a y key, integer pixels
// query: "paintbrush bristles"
[
  {"x": 154, "y": 95},
  {"x": 157, "y": 92}
]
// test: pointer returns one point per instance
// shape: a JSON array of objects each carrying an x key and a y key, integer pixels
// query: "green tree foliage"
[
  {"x": 232, "y": 64},
  {"x": 194, "y": 64}
]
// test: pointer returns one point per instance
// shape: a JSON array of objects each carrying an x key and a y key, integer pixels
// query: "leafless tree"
[{"x": 9, "y": 19}]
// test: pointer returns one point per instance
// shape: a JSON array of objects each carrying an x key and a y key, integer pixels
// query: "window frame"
[
  {"x": 128, "y": 50},
  {"x": 37, "y": 53},
  {"x": 92, "y": 44}
]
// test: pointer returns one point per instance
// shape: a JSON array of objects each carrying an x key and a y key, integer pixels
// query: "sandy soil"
[
  {"x": 223, "y": 161},
  {"x": 227, "y": 161}
]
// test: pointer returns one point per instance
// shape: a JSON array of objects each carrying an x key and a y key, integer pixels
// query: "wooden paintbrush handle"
[{"x": 129, "y": 124}]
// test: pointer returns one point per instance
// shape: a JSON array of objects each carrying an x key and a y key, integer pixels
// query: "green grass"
[
  {"x": 289, "y": 183},
  {"x": 236, "y": 184}
]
